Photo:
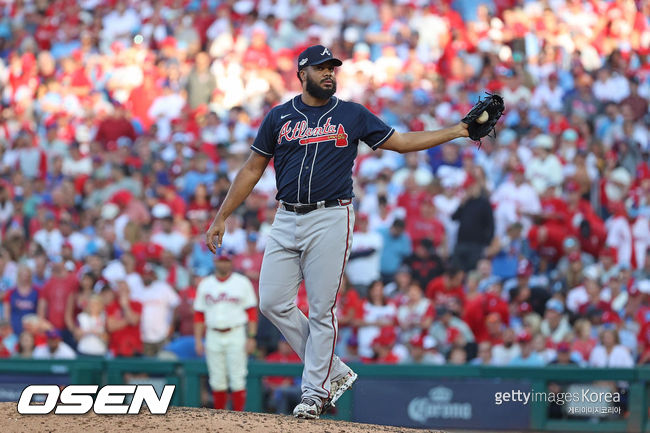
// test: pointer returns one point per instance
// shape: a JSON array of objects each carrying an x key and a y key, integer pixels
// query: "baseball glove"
[{"x": 478, "y": 127}]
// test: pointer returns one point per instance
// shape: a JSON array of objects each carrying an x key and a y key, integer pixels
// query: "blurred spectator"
[
  {"x": 91, "y": 332},
  {"x": 374, "y": 314},
  {"x": 21, "y": 300},
  {"x": 476, "y": 226},
  {"x": 528, "y": 357},
  {"x": 515, "y": 201},
  {"x": 555, "y": 324},
  {"x": 506, "y": 252},
  {"x": 477, "y": 310},
  {"x": 396, "y": 289},
  {"x": 396, "y": 247},
  {"x": 415, "y": 315},
  {"x": 185, "y": 312},
  {"x": 584, "y": 341},
  {"x": 53, "y": 298},
  {"x": 55, "y": 348},
  {"x": 159, "y": 301},
  {"x": 173, "y": 272},
  {"x": 8, "y": 272},
  {"x": 25, "y": 346},
  {"x": 484, "y": 356},
  {"x": 200, "y": 82},
  {"x": 425, "y": 263},
  {"x": 545, "y": 169},
  {"x": 564, "y": 355},
  {"x": 447, "y": 286},
  {"x": 503, "y": 353},
  {"x": 170, "y": 239},
  {"x": 522, "y": 292},
  {"x": 348, "y": 308},
  {"x": 422, "y": 350},
  {"x": 114, "y": 127},
  {"x": 249, "y": 262},
  {"x": 122, "y": 321},
  {"x": 383, "y": 347},
  {"x": 8, "y": 340},
  {"x": 544, "y": 348},
  {"x": 364, "y": 263},
  {"x": 78, "y": 301},
  {"x": 457, "y": 356},
  {"x": 610, "y": 353},
  {"x": 445, "y": 321},
  {"x": 638, "y": 105},
  {"x": 426, "y": 225}
]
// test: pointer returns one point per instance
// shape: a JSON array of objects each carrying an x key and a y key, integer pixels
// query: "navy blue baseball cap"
[{"x": 315, "y": 55}]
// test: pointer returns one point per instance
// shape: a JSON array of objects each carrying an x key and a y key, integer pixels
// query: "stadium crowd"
[{"x": 124, "y": 122}]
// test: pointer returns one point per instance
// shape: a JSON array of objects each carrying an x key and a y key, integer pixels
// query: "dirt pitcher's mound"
[{"x": 181, "y": 420}]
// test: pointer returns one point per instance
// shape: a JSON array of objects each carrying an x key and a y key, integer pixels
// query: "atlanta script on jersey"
[{"x": 315, "y": 147}]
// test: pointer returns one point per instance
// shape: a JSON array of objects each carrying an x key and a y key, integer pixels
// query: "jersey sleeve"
[
  {"x": 249, "y": 298},
  {"x": 199, "y": 300},
  {"x": 264, "y": 143},
  {"x": 375, "y": 132}
]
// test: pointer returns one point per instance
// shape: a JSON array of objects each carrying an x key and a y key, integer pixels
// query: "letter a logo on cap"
[
  {"x": 303, "y": 61},
  {"x": 326, "y": 51}
]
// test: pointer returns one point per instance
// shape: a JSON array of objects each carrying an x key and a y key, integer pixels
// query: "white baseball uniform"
[{"x": 224, "y": 305}]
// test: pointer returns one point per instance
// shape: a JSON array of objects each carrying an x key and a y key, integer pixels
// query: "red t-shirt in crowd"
[
  {"x": 420, "y": 228},
  {"x": 553, "y": 245},
  {"x": 112, "y": 128},
  {"x": 348, "y": 302},
  {"x": 411, "y": 201},
  {"x": 438, "y": 292},
  {"x": 477, "y": 310},
  {"x": 125, "y": 341},
  {"x": 55, "y": 292}
]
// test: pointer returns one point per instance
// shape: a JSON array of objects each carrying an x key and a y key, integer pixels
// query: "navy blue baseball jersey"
[{"x": 315, "y": 147}]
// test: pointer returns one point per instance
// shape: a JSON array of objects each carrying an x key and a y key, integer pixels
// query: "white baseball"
[{"x": 483, "y": 117}]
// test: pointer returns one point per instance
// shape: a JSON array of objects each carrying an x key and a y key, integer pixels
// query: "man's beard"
[{"x": 317, "y": 91}]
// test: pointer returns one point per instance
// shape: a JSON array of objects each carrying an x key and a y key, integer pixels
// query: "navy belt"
[{"x": 302, "y": 209}]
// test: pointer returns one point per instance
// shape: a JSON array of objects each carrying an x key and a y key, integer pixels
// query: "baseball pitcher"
[{"x": 313, "y": 138}]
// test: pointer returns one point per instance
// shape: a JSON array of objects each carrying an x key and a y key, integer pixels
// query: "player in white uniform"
[{"x": 225, "y": 311}]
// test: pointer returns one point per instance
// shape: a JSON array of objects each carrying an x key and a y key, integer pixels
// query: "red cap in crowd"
[
  {"x": 574, "y": 256},
  {"x": 609, "y": 252},
  {"x": 386, "y": 337},
  {"x": 524, "y": 337},
  {"x": 610, "y": 317}
]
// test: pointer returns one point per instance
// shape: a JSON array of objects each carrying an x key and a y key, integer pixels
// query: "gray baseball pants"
[{"x": 314, "y": 247}]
